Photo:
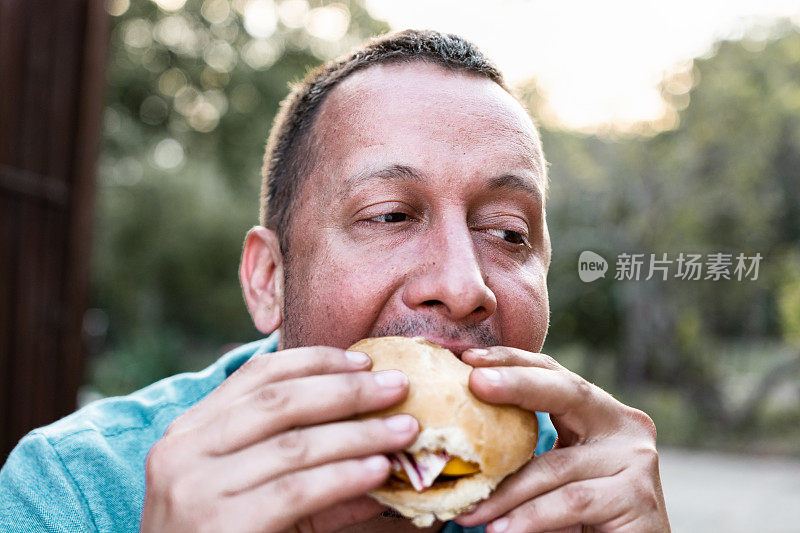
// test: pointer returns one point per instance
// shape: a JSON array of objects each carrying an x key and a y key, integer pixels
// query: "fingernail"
[
  {"x": 401, "y": 423},
  {"x": 390, "y": 378},
  {"x": 491, "y": 375},
  {"x": 357, "y": 358},
  {"x": 500, "y": 525},
  {"x": 480, "y": 352},
  {"x": 376, "y": 463}
]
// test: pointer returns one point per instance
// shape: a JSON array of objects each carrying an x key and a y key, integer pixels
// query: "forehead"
[{"x": 424, "y": 116}]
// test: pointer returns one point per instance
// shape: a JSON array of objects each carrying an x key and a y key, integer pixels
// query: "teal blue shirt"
[{"x": 85, "y": 472}]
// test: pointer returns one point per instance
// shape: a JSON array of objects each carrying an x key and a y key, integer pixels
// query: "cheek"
[
  {"x": 524, "y": 311},
  {"x": 345, "y": 297}
]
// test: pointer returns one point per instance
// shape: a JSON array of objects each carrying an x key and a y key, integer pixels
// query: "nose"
[{"x": 449, "y": 279}]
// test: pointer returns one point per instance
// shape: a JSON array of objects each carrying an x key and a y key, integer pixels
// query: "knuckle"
[
  {"x": 174, "y": 428},
  {"x": 327, "y": 353},
  {"x": 158, "y": 466},
  {"x": 578, "y": 497},
  {"x": 290, "y": 488},
  {"x": 558, "y": 465},
  {"x": 153, "y": 464},
  {"x": 648, "y": 454},
  {"x": 293, "y": 446},
  {"x": 582, "y": 389},
  {"x": 378, "y": 431},
  {"x": 549, "y": 362},
  {"x": 645, "y": 496},
  {"x": 218, "y": 441},
  {"x": 353, "y": 389},
  {"x": 261, "y": 364},
  {"x": 268, "y": 365},
  {"x": 375, "y": 433},
  {"x": 260, "y": 361},
  {"x": 500, "y": 352},
  {"x": 368, "y": 432},
  {"x": 273, "y": 398},
  {"x": 323, "y": 358},
  {"x": 643, "y": 421}
]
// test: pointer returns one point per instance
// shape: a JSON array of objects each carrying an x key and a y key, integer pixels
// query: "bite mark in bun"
[{"x": 465, "y": 446}]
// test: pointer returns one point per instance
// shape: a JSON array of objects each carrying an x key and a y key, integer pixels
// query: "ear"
[{"x": 261, "y": 275}]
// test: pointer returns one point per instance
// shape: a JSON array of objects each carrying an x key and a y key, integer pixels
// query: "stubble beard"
[
  {"x": 294, "y": 332},
  {"x": 292, "y": 329}
]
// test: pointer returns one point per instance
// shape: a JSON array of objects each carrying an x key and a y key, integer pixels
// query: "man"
[{"x": 403, "y": 195}]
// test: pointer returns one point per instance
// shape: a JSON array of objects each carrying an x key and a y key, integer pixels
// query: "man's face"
[{"x": 424, "y": 215}]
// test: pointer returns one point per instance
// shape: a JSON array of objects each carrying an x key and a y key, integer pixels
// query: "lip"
[{"x": 456, "y": 346}]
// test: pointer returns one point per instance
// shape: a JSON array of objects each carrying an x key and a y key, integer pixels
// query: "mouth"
[
  {"x": 456, "y": 338},
  {"x": 457, "y": 346}
]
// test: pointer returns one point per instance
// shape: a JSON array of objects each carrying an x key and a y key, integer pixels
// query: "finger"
[
  {"x": 581, "y": 407},
  {"x": 300, "y": 402},
  {"x": 304, "y": 493},
  {"x": 290, "y": 364},
  {"x": 342, "y": 515},
  {"x": 268, "y": 368},
  {"x": 543, "y": 474},
  {"x": 506, "y": 356},
  {"x": 303, "y": 448},
  {"x": 592, "y": 501}
]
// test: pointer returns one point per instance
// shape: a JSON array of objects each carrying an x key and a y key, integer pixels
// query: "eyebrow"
[
  {"x": 508, "y": 182},
  {"x": 515, "y": 183},
  {"x": 390, "y": 173}
]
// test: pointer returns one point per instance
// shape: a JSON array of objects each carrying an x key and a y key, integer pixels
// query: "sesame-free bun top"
[{"x": 499, "y": 439}]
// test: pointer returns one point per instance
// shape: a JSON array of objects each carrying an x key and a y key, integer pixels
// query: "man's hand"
[
  {"x": 604, "y": 470},
  {"x": 267, "y": 450}
]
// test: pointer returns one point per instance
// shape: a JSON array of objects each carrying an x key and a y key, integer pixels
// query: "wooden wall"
[{"x": 52, "y": 55}]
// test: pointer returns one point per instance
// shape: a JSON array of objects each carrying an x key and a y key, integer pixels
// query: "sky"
[{"x": 598, "y": 62}]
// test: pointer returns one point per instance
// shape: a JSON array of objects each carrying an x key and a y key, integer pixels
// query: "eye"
[
  {"x": 510, "y": 236},
  {"x": 390, "y": 217}
]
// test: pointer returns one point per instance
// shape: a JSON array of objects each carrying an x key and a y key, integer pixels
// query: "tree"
[
  {"x": 725, "y": 179},
  {"x": 193, "y": 87}
]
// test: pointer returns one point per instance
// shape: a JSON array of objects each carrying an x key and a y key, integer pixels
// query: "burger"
[{"x": 465, "y": 446}]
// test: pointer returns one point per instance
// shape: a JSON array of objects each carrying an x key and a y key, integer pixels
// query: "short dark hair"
[{"x": 290, "y": 156}]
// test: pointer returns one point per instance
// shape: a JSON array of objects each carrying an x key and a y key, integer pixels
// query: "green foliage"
[
  {"x": 191, "y": 97},
  {"x": 788, "y": 300},
  {"x": 725, "y": 179}
]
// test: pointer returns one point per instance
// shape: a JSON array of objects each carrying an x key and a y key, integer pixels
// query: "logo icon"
[{"x": 591, "y": 266}]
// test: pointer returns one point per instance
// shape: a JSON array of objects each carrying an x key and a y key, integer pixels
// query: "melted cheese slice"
[{"x": 458, "y": 467}]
